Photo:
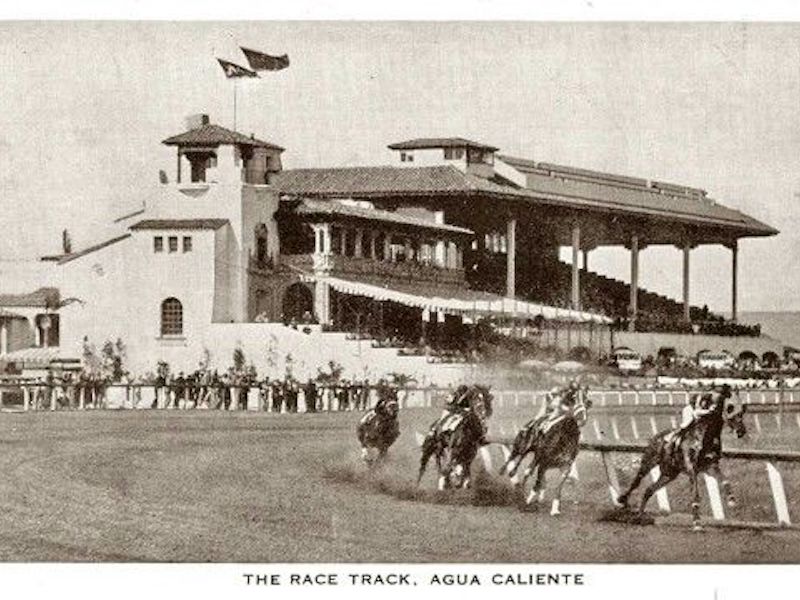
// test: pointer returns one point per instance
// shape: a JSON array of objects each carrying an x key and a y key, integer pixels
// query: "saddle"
[{"x": 450, "y": 422}]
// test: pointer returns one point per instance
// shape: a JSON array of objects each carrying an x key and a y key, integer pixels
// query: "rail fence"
[
  {"x": 770, "y": 460},
  {"x": 36, "y": 395}
]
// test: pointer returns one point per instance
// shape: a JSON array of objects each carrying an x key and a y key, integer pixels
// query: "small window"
[
  {"x": 158, "y": 244},
  {"x": 453, "y": 153},
  {"x": 187, "y": 243},
  {"x": 173, "y": 243},
  {"x": 406, "y": 157},
  {"x": 171, "y": 317}
]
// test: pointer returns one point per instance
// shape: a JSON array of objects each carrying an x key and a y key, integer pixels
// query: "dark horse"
[
  {"x": 698, "y": 449},
  {"x": 455, "y": 439},
  {"x": 379, "y": 428},
  {"x": 554, "y": 445}
]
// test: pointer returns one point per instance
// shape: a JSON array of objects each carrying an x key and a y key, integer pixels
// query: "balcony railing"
[{"x": 331, "y": 264}]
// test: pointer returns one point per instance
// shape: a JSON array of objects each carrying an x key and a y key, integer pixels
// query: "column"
[
  {"x": 3, "y": 337},
  {"x": 576, "y": 272},
  {"x": 586, "y": 260},
  {"x": 440, "y": 254},
  {"x": 634, "y": 301},
  {"x": 408, "y": 249},
  {"x": 687, "y": 248},
  {"x": 373, "y": 250},
  {"x": 358, "y": 250},
  {"x": 511, "y": 258},
  {"x": 734, "y": 279},
  {"x": 343, "y": 241},
  {"x": 322, "y": 301},
  {"x": 387, "y": 247}
]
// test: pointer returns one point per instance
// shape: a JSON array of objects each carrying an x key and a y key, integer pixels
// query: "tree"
[
  {"x": 113, "y": 360},
  {"x": 239, "y": 360}
]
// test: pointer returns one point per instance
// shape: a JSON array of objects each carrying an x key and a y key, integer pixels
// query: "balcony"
[{"x": 348, "y": 266}]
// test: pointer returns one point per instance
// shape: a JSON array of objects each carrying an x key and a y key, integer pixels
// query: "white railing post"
[
  {"x": 486, "y": 456},
  {"x": 611, "y": 473},
  {"x": 757, "y": 423},
  {"x": 662, "y": 499},
  {"x": 714, "y": 497},
  {"x": 778, "y": 494},
  {"x": 615, "y": 428},
  {"x": 634, "y": 428},
  {"x": 597, "y": 433}
]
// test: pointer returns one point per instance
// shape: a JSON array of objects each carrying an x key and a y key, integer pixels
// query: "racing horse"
[
  {"x": 695, "y": 450},
  {"x": 379, "y": 427},
  {"x": 455, "y": 438},
  {"x": 554, "y": 443}
]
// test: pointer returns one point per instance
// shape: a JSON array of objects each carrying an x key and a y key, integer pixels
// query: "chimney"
[{"x": 196, "y": 121}]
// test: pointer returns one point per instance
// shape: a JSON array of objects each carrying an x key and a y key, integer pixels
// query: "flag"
[
  {"x": 264, "y": 62},
  {"x": 233, "y": 70}
]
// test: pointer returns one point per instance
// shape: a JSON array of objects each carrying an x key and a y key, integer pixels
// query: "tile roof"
[
  {"x": 430, "y": 143},
  {"x": 215, "y": 135},
  {"x": 180, "y": 224},
  {"x": 572, "y": 192},
  {"x": 70, "y": 257},
  {"x": 582, "y": 187},
  {"x": 371, "y": 181},
  {"x": 323, "y": 207},
  {"x": 43, "y": 297}
]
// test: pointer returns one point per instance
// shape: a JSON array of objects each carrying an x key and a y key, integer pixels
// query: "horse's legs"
[
  {"x": 691, "y": 471},
  {"x": 715, "y": 470},
  {"x": 564, "y": 475},
  {"x": 693, "y": 476},
  {"x": 644, "y": 468},
  {"x": 537, "y": 493},
  {"x": 428, "y": 448},
  {"x": 662, "y": 480}
]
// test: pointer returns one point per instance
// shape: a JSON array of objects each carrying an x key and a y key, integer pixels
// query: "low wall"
[{"x": 689, "y": 345}]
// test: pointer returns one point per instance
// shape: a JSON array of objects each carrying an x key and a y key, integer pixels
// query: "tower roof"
[
  {"x": 216, "y": 135},
  {"x": 448, "y": 142}
]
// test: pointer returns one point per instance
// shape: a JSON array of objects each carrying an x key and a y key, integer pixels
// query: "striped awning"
[{"x": 458, "y": 301}]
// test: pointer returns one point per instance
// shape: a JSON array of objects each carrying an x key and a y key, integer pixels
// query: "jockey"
[
  {"x": 455, "y": 408},
  {"x": 560, "y": 401},
  {"x": 385, "y": 394},
  {"x": 699, "y": 406}
]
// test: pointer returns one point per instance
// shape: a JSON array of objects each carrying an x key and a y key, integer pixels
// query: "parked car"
[
  {"x": 715, "y": 360},
  {"x": 626, "y": 360}
]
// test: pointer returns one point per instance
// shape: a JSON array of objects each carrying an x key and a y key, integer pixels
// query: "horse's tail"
[{"x": 428, "y": 448}]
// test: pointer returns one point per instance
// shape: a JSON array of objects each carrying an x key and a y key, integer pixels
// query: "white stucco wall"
[{"x": 122, "y": 287}]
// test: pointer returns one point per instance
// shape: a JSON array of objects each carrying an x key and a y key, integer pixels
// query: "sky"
[{"x": 85, "y": 105}]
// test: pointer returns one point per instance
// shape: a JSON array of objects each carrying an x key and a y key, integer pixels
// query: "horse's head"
[
  {"x": 733, "y": 416},
  {"x": 480, "y": 402},
  {"x": 580, "y": 411},
  {"x": 391, "y": 408}
]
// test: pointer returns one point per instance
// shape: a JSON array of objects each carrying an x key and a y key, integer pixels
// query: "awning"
[{"x": 459, "y": 301}]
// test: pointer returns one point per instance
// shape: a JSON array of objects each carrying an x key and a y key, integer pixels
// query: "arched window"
[{"x": 171, "y": 317}]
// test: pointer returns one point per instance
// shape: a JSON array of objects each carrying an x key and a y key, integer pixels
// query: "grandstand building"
[{"x": 235, "y": 251}]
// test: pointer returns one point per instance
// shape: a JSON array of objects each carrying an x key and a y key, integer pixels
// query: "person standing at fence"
[
  {"x": 291, "y": 396},
  {"x": 310, "y": 396},
  {"x": 276, "y": 388},
  {"x": 179, "y": 388},
  {"x": 342, "y": 395}
]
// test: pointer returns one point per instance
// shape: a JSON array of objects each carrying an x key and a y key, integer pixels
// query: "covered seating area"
[{"x": 454, "y": 322}]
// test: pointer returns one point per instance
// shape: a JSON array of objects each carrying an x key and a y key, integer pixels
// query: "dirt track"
[{"x": 194, "y": 486}]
